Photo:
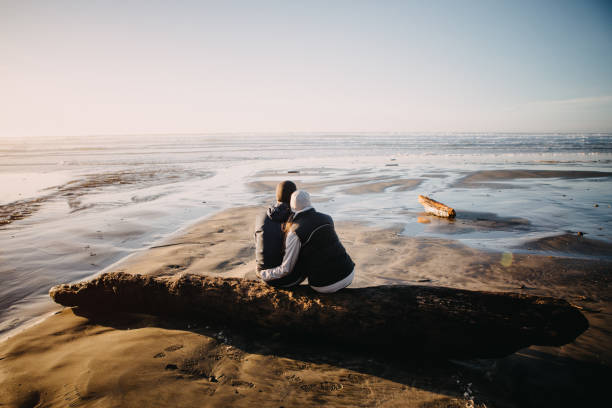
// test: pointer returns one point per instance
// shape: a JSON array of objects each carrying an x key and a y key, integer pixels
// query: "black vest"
[
  {"x": 269, "y": 237},
  {"x": 322, "y": 257}
]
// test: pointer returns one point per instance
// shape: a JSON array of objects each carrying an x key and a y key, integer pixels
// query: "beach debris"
[
  {"x": 293, "y": 172},
  {"x": 585, "y": 298},
  {"x": 173, "y": 266},
  {"x": 595, "y": 205},
  {"x": 221, "y": 337},
  {"x": 436, "y": 208},
  {"x": 446, "y": 322}
]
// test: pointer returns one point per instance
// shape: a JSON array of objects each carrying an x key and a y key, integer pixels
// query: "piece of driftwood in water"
[
  {"x": 408, "y": 320},
  {"x": 436, "y": 208}
]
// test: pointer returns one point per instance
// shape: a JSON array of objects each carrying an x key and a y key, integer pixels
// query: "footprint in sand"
[
  {"x": 294, "y": 379},
  {"x": 169, "y": 349},
  {"x": 330, "y": 386},
  {"x": 222, "y": 265},
  {"x": 355, "y": 379},
  {"x": 324, "y": 386},
  {"x": 239, "y": 383},
  {"x": 73, "y": 397}
]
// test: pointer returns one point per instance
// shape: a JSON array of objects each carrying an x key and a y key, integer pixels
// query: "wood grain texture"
[{"x": 433, "y": 207}]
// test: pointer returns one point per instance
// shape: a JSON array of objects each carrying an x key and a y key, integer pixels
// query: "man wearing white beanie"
[{"x": 312, "y": 250}]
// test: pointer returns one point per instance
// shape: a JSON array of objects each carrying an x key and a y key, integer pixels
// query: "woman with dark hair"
[
  {"x": 312, "y": 250},
  {"x": 269, "y": 236}
]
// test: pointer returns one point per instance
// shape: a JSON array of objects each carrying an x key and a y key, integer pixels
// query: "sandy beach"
[
  {"x": 76, "y": 359},
  {"x": 460, "y": 153},
  {"x": 538, "y": 229}
]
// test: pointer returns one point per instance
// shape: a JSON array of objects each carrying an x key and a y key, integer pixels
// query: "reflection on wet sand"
[
  {"x": 72, "y": 191},
  {"x": 382, "y": 186},
  {"x": 314, "y": 186},
  {"x": 470, "y": 221},
  {"x": 571, "y": 244},
  {"x": 484, "y": 178},
  {"x": 316, "y": 181}
]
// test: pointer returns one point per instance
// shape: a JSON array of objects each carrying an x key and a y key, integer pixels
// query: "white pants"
[{"x": 334, "y": 287}]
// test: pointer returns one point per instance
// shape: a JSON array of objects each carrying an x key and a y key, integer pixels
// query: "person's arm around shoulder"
[{"x": 292, "y": 250}]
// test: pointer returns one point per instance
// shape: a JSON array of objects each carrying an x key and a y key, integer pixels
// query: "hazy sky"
[{"x": 121, "y": 67}]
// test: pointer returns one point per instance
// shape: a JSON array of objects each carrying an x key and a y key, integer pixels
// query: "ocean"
[{"x": 71, "y": 207}]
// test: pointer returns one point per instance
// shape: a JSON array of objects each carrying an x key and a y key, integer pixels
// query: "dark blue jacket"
[{"x": 269, "y": 245}]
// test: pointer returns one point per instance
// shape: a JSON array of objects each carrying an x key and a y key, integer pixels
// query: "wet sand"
[
  {"x": 571, "y": 244},
  {"x": 86, "y": 220},
  {"x": 381, "y": 186},
  {"x": 317, "y": 180},
  {"x": 469, "y": 221},
  {"x": 485, "y": 178},
  {"x": 313, "y": 186},
  {"x": 137, "y": 360},
  {"x": 73, "y": 191}
]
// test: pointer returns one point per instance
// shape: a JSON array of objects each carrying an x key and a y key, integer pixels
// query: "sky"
[{"x": 137, "y": 67}]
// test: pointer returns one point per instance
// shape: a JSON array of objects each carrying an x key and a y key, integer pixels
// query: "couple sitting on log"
[{"x": 294, "y": 242}]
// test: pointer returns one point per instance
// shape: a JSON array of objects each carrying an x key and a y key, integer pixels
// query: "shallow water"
[{"x": 73, "y": 206}]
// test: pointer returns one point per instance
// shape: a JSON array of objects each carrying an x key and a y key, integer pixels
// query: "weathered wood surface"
[
  {"x": 436, "y": 208},
  {"x": 409, "y": 320}
]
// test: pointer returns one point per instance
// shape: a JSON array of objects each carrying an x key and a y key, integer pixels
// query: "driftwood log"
[
  {"x": 420, "y": 320},
  {"x": 433, "y": 207}
]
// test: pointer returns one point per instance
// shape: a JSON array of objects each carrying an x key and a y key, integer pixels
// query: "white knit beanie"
[{"x": 300, "y": 199}]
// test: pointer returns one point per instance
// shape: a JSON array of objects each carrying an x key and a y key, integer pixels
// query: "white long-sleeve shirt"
[{"x": 292, "y": 251}]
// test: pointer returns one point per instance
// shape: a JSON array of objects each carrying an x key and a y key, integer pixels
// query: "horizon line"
[{"x": 305, "y": 133}]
